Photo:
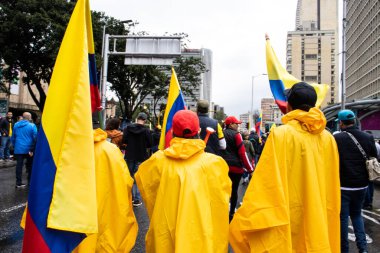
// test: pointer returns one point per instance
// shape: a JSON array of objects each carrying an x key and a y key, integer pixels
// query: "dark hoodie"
[{"x": 138, "y": 139}]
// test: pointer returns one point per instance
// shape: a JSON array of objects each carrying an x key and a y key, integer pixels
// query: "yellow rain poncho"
[
  {"x": 186, "y": 193},
  {"x": 292, "y": 203},
  {"x": 116, "y": 220}
]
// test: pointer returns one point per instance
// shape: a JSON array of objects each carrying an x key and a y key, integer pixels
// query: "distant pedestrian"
[
  {"x": 216, "y": 141},
  {"x": 185, "y": 192},
  {"x": 138, "y": 141},
  {"x": 156, "y": 134},
  {"x": 353, "y": 177},
  {"x": 236, "y": 158},
  {"x": 6, "y": 129},
  {"x": 254, "y": 139},
  {"x": 250, "y": 153},
  {"x": 24, "y": 139},
  {"x": 114, "y": 135}
]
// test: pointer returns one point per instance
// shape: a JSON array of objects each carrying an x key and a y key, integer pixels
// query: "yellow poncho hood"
[
  {"x": 312, "y": 121},
  {"x": 292, "y": 203},
  {"x": 186, "y": 192},
  {"x": 116, "y": 220}
]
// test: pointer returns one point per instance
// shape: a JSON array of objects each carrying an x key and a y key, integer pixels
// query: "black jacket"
[
  {"x": 138, "y": 139},
  {"x": 231, "y": 154},
  {"x": 353, "y": 171},
  {"x": 4, "y": 126},
  {"x": 213, "y": 141}
]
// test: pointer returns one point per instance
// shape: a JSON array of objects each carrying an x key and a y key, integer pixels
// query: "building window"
[
  {"x": 310, "y": 56},
  {"x": 310, "y": 78}
]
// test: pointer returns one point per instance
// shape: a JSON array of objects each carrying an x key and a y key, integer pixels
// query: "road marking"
[
  {"x": 366, "y": 211},
  {"x": 14, "y": 208},
  {"x": 352, "y": 237},
  {"x": 371, "y": 219}
]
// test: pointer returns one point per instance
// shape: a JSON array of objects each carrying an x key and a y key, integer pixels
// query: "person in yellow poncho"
[
  {"x": 293, "y": 201},
  {"x": 116, "y": 220},
  {"x": 186, "y": 193}
]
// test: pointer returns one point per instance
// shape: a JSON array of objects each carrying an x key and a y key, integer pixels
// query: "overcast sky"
[{"x": 233, "y": 30}]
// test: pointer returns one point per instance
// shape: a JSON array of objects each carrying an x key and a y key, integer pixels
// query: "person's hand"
[{"x": 30, "y": 153}]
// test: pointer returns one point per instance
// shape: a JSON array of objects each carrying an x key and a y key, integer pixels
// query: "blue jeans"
[
  {"x": 352, "y": 202},
  {"x": 133, "y": 166},
  {"x": 20, "y": 163},
  {"x": 4, "y": 148}
]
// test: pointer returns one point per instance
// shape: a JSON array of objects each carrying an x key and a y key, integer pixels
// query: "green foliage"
[{"x": 31, "y": 33}]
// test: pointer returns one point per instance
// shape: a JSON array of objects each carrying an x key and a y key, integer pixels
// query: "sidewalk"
[{"x": 7, "y": 164}]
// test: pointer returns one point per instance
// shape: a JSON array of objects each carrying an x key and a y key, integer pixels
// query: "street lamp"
[
  {"x": 253, "y": 79},
  {"x": 103, "y": 72}
]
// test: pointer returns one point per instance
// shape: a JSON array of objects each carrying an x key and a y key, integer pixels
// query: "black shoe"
[
  {"x": 20, "y": 185},
  {"x": 367, "y": 207},
  {"x": 137, "y": 203}
]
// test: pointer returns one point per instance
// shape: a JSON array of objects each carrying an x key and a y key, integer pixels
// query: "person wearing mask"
[
  {"x": 292, "y": 203},
  {"x": 138, "y": 140},
  {"x": 216, "y": 141},
  {"x": 353, "y": 177},
  {"x": 185, "y": 191},
  {"x": 236, "y": 158}
]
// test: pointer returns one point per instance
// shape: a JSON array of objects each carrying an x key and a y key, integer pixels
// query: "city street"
[{"x": 13, "y": 201}]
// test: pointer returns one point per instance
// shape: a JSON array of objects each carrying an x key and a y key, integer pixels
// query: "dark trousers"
[
  {"x": 235, "y": 178},
  {"x": 352, "y": 202},
  {"x": 20, "y": 163},
  {"x": 369, "y": 195}
]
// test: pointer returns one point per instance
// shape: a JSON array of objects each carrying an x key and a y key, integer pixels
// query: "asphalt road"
[{"x": 12, "y": 203}]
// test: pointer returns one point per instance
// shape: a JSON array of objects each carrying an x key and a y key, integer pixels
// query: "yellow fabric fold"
[
  {"x": 67, "y": 124},
  {"x": 117, "y": 222},
  {"x": 292, "y": 203}
]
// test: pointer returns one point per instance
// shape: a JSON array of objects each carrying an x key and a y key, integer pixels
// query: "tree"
[
  {"x": 132, "y": 84},
  {"x": 31, "y": 33}
]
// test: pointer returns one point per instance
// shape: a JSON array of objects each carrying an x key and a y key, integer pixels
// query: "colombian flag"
[
  {"x": 258, "y": 126},
  {"x": 175, "y": 103},
  {"x": 280, "y": 79},
  {"x": 62, "y": 206}
]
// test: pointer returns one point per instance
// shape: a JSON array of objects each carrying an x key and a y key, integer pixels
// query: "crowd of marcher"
[
  {"x": 297, "y": 174},
  {"x": 303, "y": 183}
]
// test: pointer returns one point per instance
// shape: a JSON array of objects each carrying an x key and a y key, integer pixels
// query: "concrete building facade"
[
  {"x": 363, "y": 50},
  {"x": 271, "y": 111},
  {"x": 312, "y": 49}
]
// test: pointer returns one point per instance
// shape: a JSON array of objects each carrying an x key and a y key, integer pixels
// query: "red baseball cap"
[
  {"x": 185, "y": 124},
  {"x": 231, "y": 119}
]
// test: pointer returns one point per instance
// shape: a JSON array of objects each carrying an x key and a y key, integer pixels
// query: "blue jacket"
[{"x": 24, "y": 137}]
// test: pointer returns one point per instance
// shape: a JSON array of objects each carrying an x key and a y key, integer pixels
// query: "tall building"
[
  {"x": 363, "y": 50},
  {"x": 312, "y": 49},
  {"x": 246, "y": 119},
  {"x": 205, "y": 88},
  {"x": 271, "y": 111}
]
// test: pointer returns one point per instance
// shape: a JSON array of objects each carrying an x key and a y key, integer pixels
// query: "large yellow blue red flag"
[
  {"x": 175, "y": 103},
  {"x": 280, "y": 79},
  {"x": 62, "y": 206}
]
